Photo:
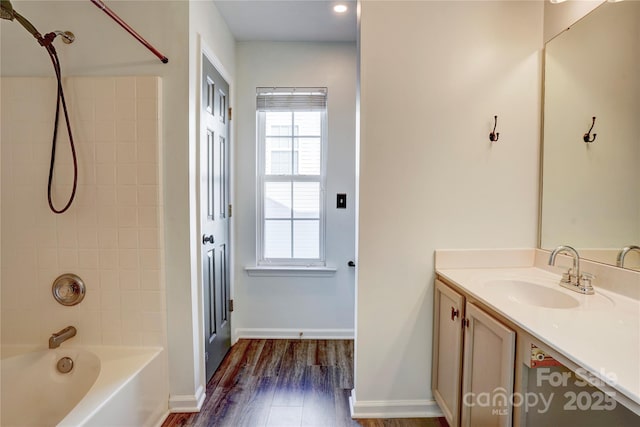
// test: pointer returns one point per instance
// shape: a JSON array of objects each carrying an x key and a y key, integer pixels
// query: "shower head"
[{"x": 7, "y": 12}]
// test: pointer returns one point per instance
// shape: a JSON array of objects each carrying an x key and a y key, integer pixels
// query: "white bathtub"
[{"x": 108, "y": 386}]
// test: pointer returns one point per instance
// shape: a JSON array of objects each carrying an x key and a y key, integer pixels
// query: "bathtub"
[{"x": 108, "y": 386}]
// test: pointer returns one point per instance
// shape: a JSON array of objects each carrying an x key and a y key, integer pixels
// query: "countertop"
[{"x": 601, "y": 335}]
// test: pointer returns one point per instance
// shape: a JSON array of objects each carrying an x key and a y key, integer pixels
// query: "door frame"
[{"x": 204, "y": 49}]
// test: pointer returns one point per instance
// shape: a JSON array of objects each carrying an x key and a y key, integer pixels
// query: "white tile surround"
[{"x": 111, "y": 236}]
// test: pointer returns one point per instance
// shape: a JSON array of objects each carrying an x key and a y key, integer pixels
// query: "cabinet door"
[
  {"x": 447, "y": 351},
  {"x": 489, "y": 357}
]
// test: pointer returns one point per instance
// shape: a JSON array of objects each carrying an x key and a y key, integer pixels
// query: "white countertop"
[{"x": 601, "y": 335}]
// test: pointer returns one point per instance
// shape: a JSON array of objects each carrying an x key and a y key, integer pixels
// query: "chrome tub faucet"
[
  {"x": 59, "y": 337},
  {"x": 573, "y": 279}
]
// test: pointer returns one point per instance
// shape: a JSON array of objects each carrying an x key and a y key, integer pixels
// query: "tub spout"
[{"x": 59, "y": 337}]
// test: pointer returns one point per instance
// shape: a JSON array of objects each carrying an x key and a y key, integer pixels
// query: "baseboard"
[
  {"x": 393, "y": 408},
  {"x": 162, "y": 419},
  {"x": 309, "y": 334},
  {"x": 187, "y": 402}
]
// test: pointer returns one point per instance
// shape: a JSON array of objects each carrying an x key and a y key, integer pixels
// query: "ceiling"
[{"x": 289, "y": 20}]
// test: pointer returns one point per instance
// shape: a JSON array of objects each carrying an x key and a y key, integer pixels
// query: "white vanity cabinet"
[
  {"x": 488, "y": 368},
  {"x": 473, "y": 362},
  {"x": 446, "y": 374}
]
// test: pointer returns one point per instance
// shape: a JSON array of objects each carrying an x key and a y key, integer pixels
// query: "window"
[{"x": 291, "y": 146}]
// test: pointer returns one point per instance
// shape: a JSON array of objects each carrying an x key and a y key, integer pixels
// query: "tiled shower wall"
[{"x": 111, "y": 236}]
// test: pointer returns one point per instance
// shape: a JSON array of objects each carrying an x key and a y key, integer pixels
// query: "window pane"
[
  {"x": 278, "y": 123},
  {"x": 277, "y": 239},
  {"x": 309, "y": 154},
  {"x": 278, "y": 156},
  {"x": 308, "y": 123},
  {"x": 306, "y": 239},
  {"x": 306, "y": 200},
  {"x": 279, "y": 163},
  {"x": 278, "y": 144},
  {"x": 277, "y": 200}
]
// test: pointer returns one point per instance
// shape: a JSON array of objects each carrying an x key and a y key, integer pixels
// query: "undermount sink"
[{"x": 531, "y": 293}]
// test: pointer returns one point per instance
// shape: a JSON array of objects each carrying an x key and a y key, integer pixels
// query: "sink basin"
[{"x": 534, "y": 294}]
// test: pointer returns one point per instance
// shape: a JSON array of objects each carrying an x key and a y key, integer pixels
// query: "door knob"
[{"x": 207, "y": 239}]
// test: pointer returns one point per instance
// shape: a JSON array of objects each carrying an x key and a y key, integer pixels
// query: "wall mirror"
[{"x": 591, "y": 190}]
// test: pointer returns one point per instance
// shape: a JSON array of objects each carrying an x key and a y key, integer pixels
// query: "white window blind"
[
  {"x": 291, "y": 99},
  {"x": 291, "y": 146}
]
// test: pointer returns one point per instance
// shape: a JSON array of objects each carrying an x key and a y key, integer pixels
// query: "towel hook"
[
  {"x": 493, "y": 136},
  {"x": 587, "y": 136}
]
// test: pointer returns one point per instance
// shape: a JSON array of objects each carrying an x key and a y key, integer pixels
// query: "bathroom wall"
[
  {"x": 433, "y": 75},
  {"x": 284, "y": 306},
  {"x": 111, "y": 236}
]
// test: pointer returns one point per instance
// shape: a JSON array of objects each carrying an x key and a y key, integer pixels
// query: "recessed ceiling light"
[{"x": 340, "y": 8}]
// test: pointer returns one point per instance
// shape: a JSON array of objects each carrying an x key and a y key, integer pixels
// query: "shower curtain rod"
[{"x": 130, "y": 30}]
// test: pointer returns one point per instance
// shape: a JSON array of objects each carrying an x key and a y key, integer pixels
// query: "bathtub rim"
[{"x": 119, "y": 365}]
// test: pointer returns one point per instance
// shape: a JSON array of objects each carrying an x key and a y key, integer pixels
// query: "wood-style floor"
[{"x": 284, "y": 383}]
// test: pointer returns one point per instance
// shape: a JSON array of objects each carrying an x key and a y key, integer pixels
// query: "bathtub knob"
[{"x": 68, "y": 289}]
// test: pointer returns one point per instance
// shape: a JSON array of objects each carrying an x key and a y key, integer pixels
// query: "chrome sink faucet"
[
  {"x": 573, "y": 279},
  {"x": 623, "y": 253},
  {"x": 59, "y": 337}
]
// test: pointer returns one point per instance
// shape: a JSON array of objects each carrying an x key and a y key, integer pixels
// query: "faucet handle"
[
  {"x": 585, "y": 283},
  {"x": 587, "y": 277},
  {"x": 570, "y": 277}
]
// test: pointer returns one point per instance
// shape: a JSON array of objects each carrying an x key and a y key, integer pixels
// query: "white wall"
[
  {"x": 281, "y": 306},
  {"x": 587, "y": 187},
  {"x": 433, "y": 75}
]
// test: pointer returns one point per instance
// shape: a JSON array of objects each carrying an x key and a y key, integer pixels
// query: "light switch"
[{"x": 342, "y": 201}]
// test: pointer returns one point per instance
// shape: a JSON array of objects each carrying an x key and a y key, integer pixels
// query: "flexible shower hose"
[{"x": 60, "y": 101}]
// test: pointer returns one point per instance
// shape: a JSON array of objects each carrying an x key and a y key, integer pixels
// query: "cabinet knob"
[
  {"x": 207, "y": 239},
  {"x": 454, "y": 313}
]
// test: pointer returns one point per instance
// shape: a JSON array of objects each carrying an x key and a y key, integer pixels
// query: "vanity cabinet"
[
  {"x": 446, "y": 375},
  {"x": 473, "y": 362}
]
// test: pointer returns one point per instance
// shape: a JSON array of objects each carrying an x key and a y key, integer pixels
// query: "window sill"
[{"x": 290, "y": 271}]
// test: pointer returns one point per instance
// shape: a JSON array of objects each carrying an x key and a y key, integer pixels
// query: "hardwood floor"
[{"x": 281, "y": 383}]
